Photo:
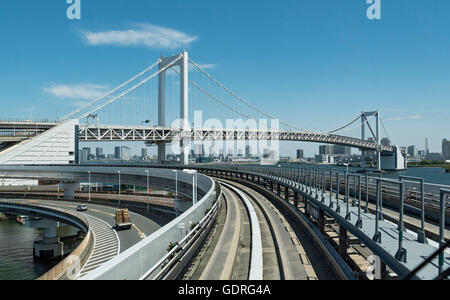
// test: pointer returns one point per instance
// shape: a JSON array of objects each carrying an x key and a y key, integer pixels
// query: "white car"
[{"x": 82, "y": 207}]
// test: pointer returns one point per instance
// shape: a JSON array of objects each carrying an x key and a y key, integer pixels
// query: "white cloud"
[
  {"x": 79, "y": 92},
  {"x": 146, "y": 35},
  {"x": 414, "y": 117}
]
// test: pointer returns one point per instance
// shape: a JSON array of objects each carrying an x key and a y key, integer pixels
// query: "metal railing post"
[
  {"x": 347, "y": 201},
  {"x": 331, "y": 188},
  {"x": 421, "y": 235},
  {"x": 366, "y": 209},
  {"x": 401, "y": 253},
  {"x": 323, "y": 185},
  {"x": 377, "y": 236},
  {"x": 359, "y": 222},
  {"x": 338, "y": 207},
  {"x": 443, "y": 206}
]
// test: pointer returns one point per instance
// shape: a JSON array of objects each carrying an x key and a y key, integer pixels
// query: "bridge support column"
[
  {"x": 279, "y": 189},
  {"x": 286, "y": 193},
  {"x": 49, "y": 247},
  {"x": 69, "y": 189}
]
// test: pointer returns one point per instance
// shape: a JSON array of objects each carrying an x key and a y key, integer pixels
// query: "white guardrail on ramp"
[{"x": 137, "y": 261}]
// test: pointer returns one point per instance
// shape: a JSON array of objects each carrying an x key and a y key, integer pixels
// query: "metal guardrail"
[{"x": 394, "y": 257}]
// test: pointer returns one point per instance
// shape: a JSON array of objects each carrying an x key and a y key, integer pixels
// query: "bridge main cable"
[
  {"x": 112, "y": 91},
  {"x": 133, "y": 88},
  {"x": 240, "y": 98}
]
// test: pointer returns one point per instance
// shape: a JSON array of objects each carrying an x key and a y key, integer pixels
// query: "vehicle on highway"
[
  {"x": 82, "y": 207},
  {"x": 123, "y": 220}
]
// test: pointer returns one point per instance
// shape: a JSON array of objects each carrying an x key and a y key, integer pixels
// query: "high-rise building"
[
  {"x": 341, "y": 150},
  {"x": 98, "y": 152},
  {"x": 325, "y": 149},
  {"x": 84, "y": 157},
  {"x": 446, "y": 149},
  {"x": 144, "y": 153},
  {"x": 117, "y": 153},
  {"x": 87, "y": 151},
  {"x": 334, "y": 150},
  {"x": 300, "y": 154},
  {"x": 412, "y": 151},
  {"x": 126, "y": 153},
  {"x": 427, "y": 149}
]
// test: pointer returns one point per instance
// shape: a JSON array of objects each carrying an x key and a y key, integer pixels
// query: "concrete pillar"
[
  {"x": 286, "y": 193},
  {"x": 49, "y": 247},
  {"x": 69, "y": 189},
  {"x": 279, "y": 189}
]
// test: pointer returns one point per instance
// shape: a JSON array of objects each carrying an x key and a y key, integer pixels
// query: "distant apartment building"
[
  {"x": 117, "y": 152},
  {"x": 98, "y": 152},
  {"x": 446, "y": 149},
  {"x": 144, "y": 153},
  {"x": 334, "y": 150},
  {"x": 325, "y": 150},
  {"x": 386, "y": 142},
  {"x": 413, "y": 151},
  {"x": 125, "y": 153},
  {"x": 300, "y": 154}
]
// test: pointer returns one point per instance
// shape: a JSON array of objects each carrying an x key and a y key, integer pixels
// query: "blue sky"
[{"x": 315, "y": 64}]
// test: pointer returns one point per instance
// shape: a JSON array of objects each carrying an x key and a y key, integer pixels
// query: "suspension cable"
[
  {"x": 239, "y": 98},
  {"x": 134, "y": 87},
  {"x": 339, "y": 129},
  {"x": 215, "y": 98},
  {"x": 385, "y": 131},
  {"x": 111, "y": 92}
]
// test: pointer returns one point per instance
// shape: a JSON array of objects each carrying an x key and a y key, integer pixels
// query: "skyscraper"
[{"x": 427, "y": 149}]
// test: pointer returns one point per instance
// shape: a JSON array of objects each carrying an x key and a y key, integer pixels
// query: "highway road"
[{"x": 108, "y": 242}]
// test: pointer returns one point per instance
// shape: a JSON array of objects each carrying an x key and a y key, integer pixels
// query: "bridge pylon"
[{"x": 183, "y": 63}]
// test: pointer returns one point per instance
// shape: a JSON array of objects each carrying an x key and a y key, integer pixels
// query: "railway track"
[{"x": 254, "y": 240}]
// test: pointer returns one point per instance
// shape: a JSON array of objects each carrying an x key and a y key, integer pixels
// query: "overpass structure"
[{"x": 399, "y": 249}]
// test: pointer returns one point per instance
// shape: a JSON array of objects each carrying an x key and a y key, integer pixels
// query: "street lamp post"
[
  {"x": 176, "y": 184},
  {"x": 148, "y": 192},
  {"x": 119, "y": 187},
  {"x": 89, "y": 172},
  {"x": 194, "y": 184}
]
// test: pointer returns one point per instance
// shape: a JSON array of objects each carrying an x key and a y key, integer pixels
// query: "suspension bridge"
[{"x": 177, "y": 83}]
